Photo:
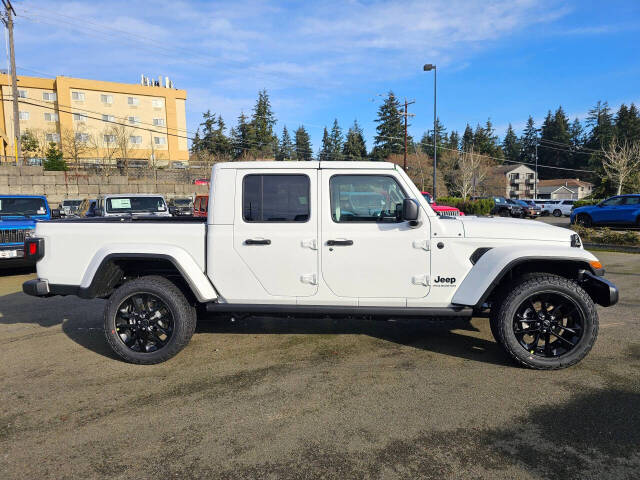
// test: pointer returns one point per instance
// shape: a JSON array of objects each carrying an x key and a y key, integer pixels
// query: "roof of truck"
[{"x": 307, "y": 165}]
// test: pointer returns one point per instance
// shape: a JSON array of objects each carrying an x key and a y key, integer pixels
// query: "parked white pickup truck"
[{"x": 325, "y": 238}]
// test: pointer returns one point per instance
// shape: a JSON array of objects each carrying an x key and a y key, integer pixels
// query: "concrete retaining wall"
[{"x": 60, "y": 185}]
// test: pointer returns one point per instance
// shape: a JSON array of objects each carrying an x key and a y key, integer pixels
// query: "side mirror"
[
  {"x": 410, "y": 210},
  {"x": 55, "y": 213}
]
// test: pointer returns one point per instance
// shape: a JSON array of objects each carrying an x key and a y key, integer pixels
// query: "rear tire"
[
  {"x": 148, "y": 320},
  {"x": 557, "y": 213},
  {"x": 566, "y": 320},
  {"x": 504, "y": 212}
]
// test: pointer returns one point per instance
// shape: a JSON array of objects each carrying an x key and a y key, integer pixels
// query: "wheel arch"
[
  {"x": 500, "y": 266},
  {"x": 108, "y": 270}
]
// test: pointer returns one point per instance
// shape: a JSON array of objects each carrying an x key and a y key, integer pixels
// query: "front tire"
[
  {"x": 584, "y": 220},
  {"x": 148, "y": 320},
  {"x": 557, "y": 213},
  {"x": 546, "y": 322}
]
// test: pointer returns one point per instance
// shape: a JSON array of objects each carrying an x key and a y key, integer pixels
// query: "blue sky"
[{"x": 503, "y": 59}]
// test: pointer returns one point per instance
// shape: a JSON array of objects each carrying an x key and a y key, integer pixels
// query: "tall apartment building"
[{"x": 96, "y": 121}]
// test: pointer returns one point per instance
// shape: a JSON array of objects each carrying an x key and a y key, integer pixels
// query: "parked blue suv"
[
  {"x": 621, "y": 210},
  {"x": 18, "y": 217}
]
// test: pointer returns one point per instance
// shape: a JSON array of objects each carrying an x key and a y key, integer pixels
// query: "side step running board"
[{"x": 340, "y": 310}]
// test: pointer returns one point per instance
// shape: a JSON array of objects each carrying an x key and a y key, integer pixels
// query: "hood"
[
  {"x": 17, "y": 222},
  {"x": 513, "y": 228}
]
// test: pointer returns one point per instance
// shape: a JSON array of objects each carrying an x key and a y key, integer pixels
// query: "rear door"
[
  {"x": 276, "y": 234},
  {"x": 367, "y": 253},
  {"x": 628, "y": 211}
]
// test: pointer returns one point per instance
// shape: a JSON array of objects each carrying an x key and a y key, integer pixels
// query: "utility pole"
[
  {"x": 406, "y": 115},
  {"x": 8, "y": 21},
  {"x": 535, "y": 179}
]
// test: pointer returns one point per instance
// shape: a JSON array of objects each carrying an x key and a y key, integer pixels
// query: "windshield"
[
  {"x": 22, "y": 206},
  {"x": 182, "y": 202},
  {"x": 135, "y": 204}
]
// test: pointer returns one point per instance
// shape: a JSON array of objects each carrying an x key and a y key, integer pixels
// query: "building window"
[
  {"x": 159, "y": 140},
  {"x": 134, "y": 120},
  {"x": 158, "y": 122},
  {"x": 52, "y": 137},
  {"x": 51, "y": 117},
  {"x": 135, "y": 139},
  {"x": 82, "y": 137},
  {"x": 108, "y": 99},
  {"x": 23, "y": 115},
  {"x": 22, "y": 94},
  {"x": 133, "y": 101},
  {"x": 49, "y": 96},
  {"x": 109, "y": 138},
  {"x": 77, "y": 96},
  {"x": 157, "y": 103},
  {"x": 107, "y": 118}
]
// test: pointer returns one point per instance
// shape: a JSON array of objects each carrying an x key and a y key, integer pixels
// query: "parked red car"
[
  {"x": 201, "y": 181},
  {"x": 201, "y": 206},
  {"x": 441, "y": 209}
]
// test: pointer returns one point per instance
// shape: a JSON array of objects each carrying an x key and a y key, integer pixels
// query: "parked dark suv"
[{"x": 503, "y": 207}]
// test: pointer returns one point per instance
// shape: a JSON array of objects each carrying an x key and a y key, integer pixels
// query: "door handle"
[
  {"x": 339, "y": 243},
  {"x": 257, "y": 241}
]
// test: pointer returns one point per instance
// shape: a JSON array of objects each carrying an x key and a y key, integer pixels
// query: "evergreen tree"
[
  {"x": 426, "y": 143},
  {"x": 528, "y": 142},
  {"x": 390, "y": 137},
  {"x": 54, "y": 159},
  {"x": 242, "y": 138},
  {"x": 511, "y": 145},
  {"x": 628, "y": 124},
  {"x": 303, "y": 144},
  {"x": 325, "y": 150},
  {"x": 354, "y": 147},
  {"x": 555, "y": 145},
  {"x": 600, "y": 121},
  {"x": 576, "y": 133},
  {"x": 485, "y": 141},
  {"x": 453, "y": 142},
  {"x": 262, "y": 121},
  {"x": 336, "y": 141},
  {"x": 196, "y": 143},
  {"x": 213, "y": 140},
  {"x": 467, "y": 138},
  {"x": 286, "y": 150}
]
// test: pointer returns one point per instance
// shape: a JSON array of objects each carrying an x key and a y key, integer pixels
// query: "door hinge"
[
  {"x": 422, "y": 279},
  {"x": 423, "y": 244},
  {"x": 312, "y": 244},
  {"x": 309, "y": 278}
]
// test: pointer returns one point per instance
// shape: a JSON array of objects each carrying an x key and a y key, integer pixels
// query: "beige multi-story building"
[
  {"x": 95, "y": 121},
  {"x": 519, "y": 180}
]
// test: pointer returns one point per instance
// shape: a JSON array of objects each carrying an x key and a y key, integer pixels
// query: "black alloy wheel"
[
  {"x": 584, "y": 220},
  {"x": 549, "y": 324},
  {"x": 144, "y": 323},
  {"x": 557, "y": 213}
]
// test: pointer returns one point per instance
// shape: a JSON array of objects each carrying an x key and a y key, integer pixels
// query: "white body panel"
[{"x": 389, "y": 264}]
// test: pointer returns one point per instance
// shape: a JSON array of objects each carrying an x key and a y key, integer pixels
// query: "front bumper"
[
  {"x": 12, "y": 252},
  {"x": 602, "y": 291}
]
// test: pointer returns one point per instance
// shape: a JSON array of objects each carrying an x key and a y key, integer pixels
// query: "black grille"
[{"x": 13, "y": 236}]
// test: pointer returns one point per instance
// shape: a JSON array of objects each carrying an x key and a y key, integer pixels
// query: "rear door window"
[{"x": 275, "y": 198}]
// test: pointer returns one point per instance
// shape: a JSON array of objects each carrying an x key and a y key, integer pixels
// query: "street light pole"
[{"x": 428, "y": 67}]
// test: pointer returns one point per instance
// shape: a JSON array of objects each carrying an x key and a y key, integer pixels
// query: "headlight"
[
  {"x": 29, "y": 233},
  {"x": 575, "y": 241}
]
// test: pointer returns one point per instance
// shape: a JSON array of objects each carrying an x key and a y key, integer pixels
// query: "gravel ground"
[{"x": 313, "y": 398}]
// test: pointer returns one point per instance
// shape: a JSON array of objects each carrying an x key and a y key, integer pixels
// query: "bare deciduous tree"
[
  {"x": 472, "y": 170},
  {"x": 75, "y": 144},
  {"x": 621, "y": 161},
  {"x": 104, "y": 144}
]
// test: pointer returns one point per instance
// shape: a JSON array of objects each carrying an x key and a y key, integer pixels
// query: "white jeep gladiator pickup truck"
[{"x": 325, "y": 238}]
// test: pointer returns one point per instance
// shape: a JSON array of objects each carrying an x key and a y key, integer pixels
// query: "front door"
[
  {"x": 367, "y": 252},
  {"x": 276, "y": 232}
]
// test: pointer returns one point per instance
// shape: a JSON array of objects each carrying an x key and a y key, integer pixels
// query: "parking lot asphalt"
[{"x": 313, "y": 398}]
